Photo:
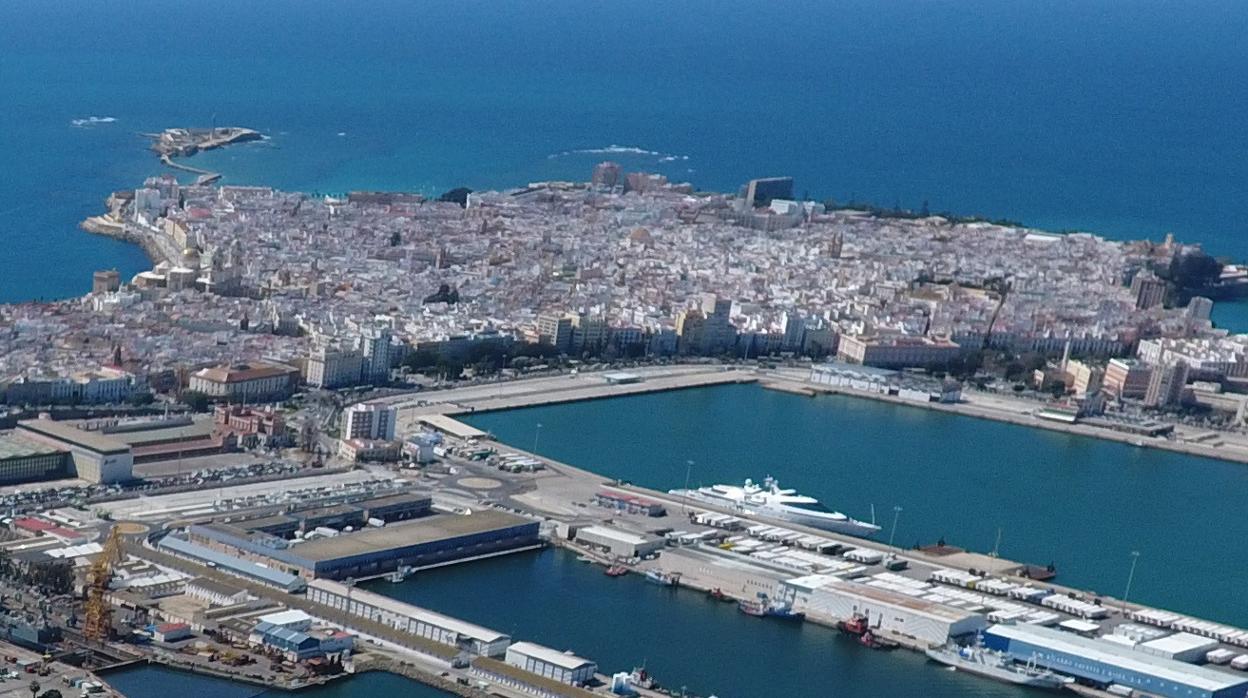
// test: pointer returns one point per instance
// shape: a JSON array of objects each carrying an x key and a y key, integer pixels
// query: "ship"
[
  {"x": 662, "y": 579},
  {"x": 762, "y": 609},
  {"x": 998, "y": 666},
  {"x": 768, "y": 500}
]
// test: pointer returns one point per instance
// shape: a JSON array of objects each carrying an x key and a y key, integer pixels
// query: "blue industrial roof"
[
  {"x": 231, "y": 563},
  {"x": 291, "y": 638}
]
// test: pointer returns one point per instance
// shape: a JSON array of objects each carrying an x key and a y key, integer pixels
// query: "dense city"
[{"x": 223, "y": 463}]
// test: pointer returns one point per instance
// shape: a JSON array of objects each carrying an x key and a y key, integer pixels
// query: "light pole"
[
  {"x": 685, "y": 492},
  {"x": 1135, "y": 557},
  {"x": 892, "y": 534},
  {"x": 537, "y": 433}
]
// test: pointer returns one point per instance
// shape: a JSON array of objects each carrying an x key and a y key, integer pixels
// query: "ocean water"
[
  {"x": 1122, "y": 118},
  {"x": 1081, "y": 503}
]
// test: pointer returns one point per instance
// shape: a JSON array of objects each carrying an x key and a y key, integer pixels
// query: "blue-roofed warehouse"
[
  {"x": 1102, "y": 663},
  {"x": 180, "y": 547}
]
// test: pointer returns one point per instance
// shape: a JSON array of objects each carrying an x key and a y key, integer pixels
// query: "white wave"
[
  {"x": 92, "y": 121},
  {"x": 619, "y": 150},
  {"x": 342, "y": 133}
]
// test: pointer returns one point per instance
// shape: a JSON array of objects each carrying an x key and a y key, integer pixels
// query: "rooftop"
[
  {"x": 475, "y": 632},
  {"x": 401, "y": 535},
  {"x": 14, "y": 446},
  {"x": 65, "y": 431},
  {"x": 550, "y": 656}
]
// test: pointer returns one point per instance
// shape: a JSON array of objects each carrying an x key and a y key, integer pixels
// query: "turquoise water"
[
  {"x": 1124, "y": 118},
  {"x": 683, "y": 638},
  {"x": 1081, "y": 503},
  {"x": 159, "y": 682}
]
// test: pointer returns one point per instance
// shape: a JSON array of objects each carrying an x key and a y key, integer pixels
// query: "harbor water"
[
  {"x": 682, "y": 638},
  {"x": 1078, "y": 502}
]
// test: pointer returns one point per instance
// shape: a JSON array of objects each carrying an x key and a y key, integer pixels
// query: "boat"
[
  {"x": 765, "y": 609},
  {"x": 616, "y": 571},
  {"x": 751, "y": 608},
  {"x": 997, "y": 665},
  {"x": 718, "y": 595},
  {"x": 768, "y": 500},
  {"x": 875, "y": 642},
  {"x": 661, "y": 578},
  {"x": 857, "y": 625}
]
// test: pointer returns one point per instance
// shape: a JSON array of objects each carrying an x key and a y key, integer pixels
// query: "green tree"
[{"x": 197, "y": 401}]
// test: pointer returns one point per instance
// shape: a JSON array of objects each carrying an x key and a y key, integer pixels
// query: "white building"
[
  {"x": 552, "y": 664},
  {"x": 369, "y": 422},
  {"x": 408, "y": 618},
  {"x": 619, "y": 543},
  {"x": 334, "y": 368},
  {"x": 832, "y": 598}
]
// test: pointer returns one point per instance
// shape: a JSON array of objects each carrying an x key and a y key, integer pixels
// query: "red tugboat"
[
  {"x": 616, "y": 571},
  {"x": 875, "y": 642},
  {"x": 857, "y": 626},
  {"x": 718, "y": 595}
]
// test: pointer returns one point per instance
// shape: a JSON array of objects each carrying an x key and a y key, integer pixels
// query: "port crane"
[{"x": 98, "y": 622}]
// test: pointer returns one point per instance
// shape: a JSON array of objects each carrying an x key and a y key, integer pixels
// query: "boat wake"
[
  {"x": 619, "y": 150},
  {"x": 90, "y": 121}
]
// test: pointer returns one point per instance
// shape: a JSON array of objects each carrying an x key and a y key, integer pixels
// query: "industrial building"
[
  {"x": 408, "y": 618},
  {"x": 1104, "y": 663},
  {"x": 629, "y": 503},
  {"x": 93, "y": 456},
  {"x": 619, "y": 543},
  {"x": 180, "y": 547},
  {"x": 833, "y": 598},
  {"x": 374, "y": 551},
  {"x": 552, "y": 664},
  {"x": 24, "y": 460}
]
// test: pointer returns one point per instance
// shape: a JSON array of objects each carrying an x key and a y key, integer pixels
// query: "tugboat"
[
  {"x": 857, "y": 626},
  {"x": 616, "y": 571},
  {"x": 875, "y": 642},
  {"x": 718, "y": 595},
  {"x": 762, "y": 608}
]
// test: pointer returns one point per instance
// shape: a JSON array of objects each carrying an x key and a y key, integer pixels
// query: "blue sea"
[{"x": 1123, "y": 118}]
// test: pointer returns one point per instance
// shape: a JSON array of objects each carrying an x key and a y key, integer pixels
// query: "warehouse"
[
  {"x": 432, "y": 540},
  {"x": 408, "y": 618},
  {"x": 835, "y": 599},
  {"x": 95, "y": 457},
  {"x": 618, "y": 543},
  {"x": 1105, "y": 663},
  {"x": 23, "y": 460},
  {"x": 552, "y": 664},
  {"x": 178, "y": 547}
]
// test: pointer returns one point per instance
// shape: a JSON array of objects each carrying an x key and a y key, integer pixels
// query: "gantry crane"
[{"x": 98, "y": 621}]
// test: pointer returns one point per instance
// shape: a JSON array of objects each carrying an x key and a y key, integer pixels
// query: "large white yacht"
[{"x": 770, "y": 501}]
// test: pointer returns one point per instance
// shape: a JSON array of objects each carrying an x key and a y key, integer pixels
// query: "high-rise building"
[
  {"x": 370, "y": 422},
  {"x": 1127, "y": 378},
  {"x": 1149, "y": 291},
  {"x": 556, "y": 331},
  {"x": 106, "y": 281},
  {"x": 334, "y": 368},
  {"x": 794, "y": 332},
  {"x": 1199, "y": 308},
  {"x": 760, "y": 192},
  {"x": 589, "y": 334},
  {"x": 1165, "y": 385},
  {"x": 379, "y": 354},
  {"x": 606, "y": 175}
]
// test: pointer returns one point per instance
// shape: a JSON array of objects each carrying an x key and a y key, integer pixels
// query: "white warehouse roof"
[{"x": 550, "y": 656}]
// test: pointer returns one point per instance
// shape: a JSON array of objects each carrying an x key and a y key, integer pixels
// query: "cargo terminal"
[{"x": 432, "y": 540}]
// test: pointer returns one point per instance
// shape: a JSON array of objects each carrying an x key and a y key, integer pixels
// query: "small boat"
[
  {"x": 718, "y": 595},
  {"x": 875, "y": 642},
  {"x": 762, "y": 609},
  {"x": 854, "y": 626},
  {"x": 752, "y": 608},
  {"x": 660, "y": 578},
  {"x": 616, "y": 571}
]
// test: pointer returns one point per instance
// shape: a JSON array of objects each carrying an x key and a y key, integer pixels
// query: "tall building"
[
  {"x": 589, "y": 334},
  {"x": 690, "y": 324},
  {"x": 379, "y": 354},
  {"x": 718, "y": 333},
  {"x": 334, "y": 368},
  {"x": 1149, "y": 291},
  {"x": 1165, "y": 385},
  {"x": 760, "y": 192},
  {"x": 369, "y": 422},
  {"x": 794, "y": 332},
  {"x": 556, "y": 331},
  {"x": 1199, "y": 308},
  {"x": 106, "y": 281},
  {"x": 1127, "y": 379},
  {"x": 606, "y": 175}
]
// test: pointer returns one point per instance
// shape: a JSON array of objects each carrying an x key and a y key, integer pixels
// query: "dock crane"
[{"x": 97, "y": 625}]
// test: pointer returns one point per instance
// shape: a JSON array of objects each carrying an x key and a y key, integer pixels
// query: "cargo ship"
[
  {"x": 994, "y": 665},
  {"x": 768, "y": 500}
]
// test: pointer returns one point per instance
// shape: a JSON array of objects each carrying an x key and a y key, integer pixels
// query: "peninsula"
[{"x": 185, "y": 142}]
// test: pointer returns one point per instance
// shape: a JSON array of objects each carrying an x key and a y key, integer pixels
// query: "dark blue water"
[
  {"x": 1082, "y": 503},
  {"x": 1123, "y": 118},
  {"x": 159, "y": 682},
  {"x": 683, "y": 638}
]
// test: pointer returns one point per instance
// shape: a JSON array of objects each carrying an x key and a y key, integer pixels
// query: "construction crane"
[{"x": 98, "y": 622}]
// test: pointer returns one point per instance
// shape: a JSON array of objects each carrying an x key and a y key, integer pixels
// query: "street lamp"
[
  {"x": 1135, "y": 557},
  {"x": 537, "y": 433},
  {"x": 893, "y": 533},
  {"x": 685, "y": 492}
]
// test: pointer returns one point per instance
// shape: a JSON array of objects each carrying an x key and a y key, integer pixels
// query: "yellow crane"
[{"x": 98, "y": 622}]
